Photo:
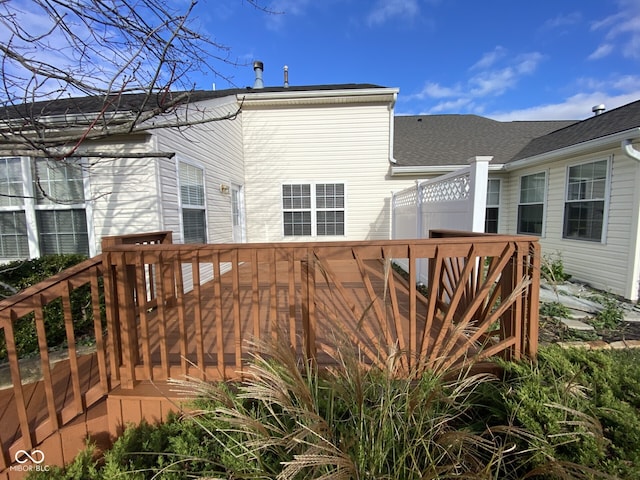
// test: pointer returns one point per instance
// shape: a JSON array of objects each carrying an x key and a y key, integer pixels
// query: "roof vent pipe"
[
  {"x": 258, "y": 67},
  {"x": 598, "y": 109},
  {"x": 286, "y": 76}
]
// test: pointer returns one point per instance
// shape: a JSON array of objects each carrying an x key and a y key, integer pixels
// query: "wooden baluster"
[
  {"x": 197, "y": 314},
  {"x": 308, "y": 305},
  {"x": 113, "y": 315},
  {"x": 218, "y": 318},
  {"x": 165, "y": 289},
  {"x": 182, "y": 321},
  {"x": 16, "y": 378},
  {"x": 98, "y": 330},
  {"x": 237, "y": 319},
  {"x": 71, "y": 345},
  {"x": 45, "y": 362},
  {"x": 127, "y": 314},
  {"x": 141, "y": 284}
]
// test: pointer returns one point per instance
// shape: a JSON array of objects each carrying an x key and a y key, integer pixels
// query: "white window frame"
[
  {"x": 314, "y": 209},
  {"x": 543, "y": 203},
  {"x": 491, "y": 205},
  {"x": 183, "y": 206},
  {"x": 30, "y": 207},
  {"x": 606, "y": 199},
  {"x": 21, "y": 203},
  {"x": 85, "y": 205}
]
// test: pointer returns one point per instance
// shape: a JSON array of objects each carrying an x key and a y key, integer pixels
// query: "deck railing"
[
  {"x": 162, "y": 310},
  {"x": 188, "y": 309},
  {"x": 34, "y": 422}
]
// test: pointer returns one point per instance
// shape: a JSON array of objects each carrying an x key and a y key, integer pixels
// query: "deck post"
[
  {"x": 532, "y": 316},
  {"x": 508, "y": 318},
  {"x": 308, "y": 306},
  {"x": 123, "y": 309}
]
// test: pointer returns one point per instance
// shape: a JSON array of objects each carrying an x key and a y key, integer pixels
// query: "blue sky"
[{"x": 504, "y": 59}]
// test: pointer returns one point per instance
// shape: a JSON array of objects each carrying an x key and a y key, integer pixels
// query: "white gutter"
[
  {"x": 629, "y": 151},
  {"x": 322, "y": 93},
  {"x": 398, "y": 171},
  {"x": 595, "y": 144},
  {"x": 392, "y": 160}
]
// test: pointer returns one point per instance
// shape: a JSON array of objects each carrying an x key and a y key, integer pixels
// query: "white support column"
[{"x": 479, "y": 178}]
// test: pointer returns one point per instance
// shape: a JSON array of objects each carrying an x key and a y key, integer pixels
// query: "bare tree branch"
[{"x": 119, "y": 67}]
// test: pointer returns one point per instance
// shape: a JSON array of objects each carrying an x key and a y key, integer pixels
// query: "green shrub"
[
  {"x": 598, "y": 425},
  {"x": 553, "y": 310},
  {"x": 23, "y": 274},
  {"x": 552, "y": 269},
  {"x": 573, "y": 414},
  {"x": 611, "y": 316}
]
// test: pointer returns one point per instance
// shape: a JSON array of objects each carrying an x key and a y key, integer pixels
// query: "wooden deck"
[
  {"x": 174, "y": 310},
  {"x": 168, "y": 339}
]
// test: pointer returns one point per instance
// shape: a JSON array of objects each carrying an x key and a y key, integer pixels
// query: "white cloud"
[
  {"x": 435, "y": 90},
  {"x": 489, "y": 58},
  {"x": 576, "y": 107},
  {"x": 284, "y": 10},
  {"x": 387, "y": 9},
  {"x": 602, "y": 51},
  {"x": 621, "y": 31},
  {"x": 492, "y": 76},
  {"x": 452, "y": 105},
  {"x": 563, "y": 20}
]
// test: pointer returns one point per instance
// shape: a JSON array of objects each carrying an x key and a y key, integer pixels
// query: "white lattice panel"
[
  {"x": 454, "y": 188},
  {"x": 406, "y": 198}
]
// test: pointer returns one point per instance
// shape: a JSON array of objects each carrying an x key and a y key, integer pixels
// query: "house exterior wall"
[
  {"x": 327, "y": 143},
  {"x": 216, "y": 147},
  {"x": 123, "y": 192},
  {"x": 610, "y": 265}
]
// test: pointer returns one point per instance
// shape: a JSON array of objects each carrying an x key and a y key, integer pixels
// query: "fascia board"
[
  {"x": 399, "y": 171},
  {"x": 320, "y": 96}
]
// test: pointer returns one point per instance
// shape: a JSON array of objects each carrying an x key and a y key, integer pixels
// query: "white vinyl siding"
[
  {"x": 317, "y": 145},
  {"x": 606, "y": 265},
  {"x": 217, "y": 148}
]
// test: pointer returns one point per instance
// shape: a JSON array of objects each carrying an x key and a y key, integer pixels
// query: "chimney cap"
[{"x": 258, "y": 67}]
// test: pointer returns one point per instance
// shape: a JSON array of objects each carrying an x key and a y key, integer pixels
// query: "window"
[
  {"x": 60, "y": 211},
  {"x": 531, "y": 204},
  {"x": 296, "y": 205},
  {"x": 585, "y": 201},
  {"x": 493, "y": 206},
  {"x": 42, "y": 204},
  {"x": 320, "y": 214},
  {"x": 194, "y": 225},
  {"x": 13, "y": 223}
]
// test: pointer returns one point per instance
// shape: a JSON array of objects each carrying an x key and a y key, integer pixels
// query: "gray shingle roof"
[
  {"x": 132, "y": 102},
  {"x": 431, "y": 140},
  {"x": 617, "y": 120}
]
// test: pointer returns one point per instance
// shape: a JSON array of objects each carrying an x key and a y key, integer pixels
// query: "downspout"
[
  {"x": 631, "y": 152},
  {"x": 392, "y": 160}
]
